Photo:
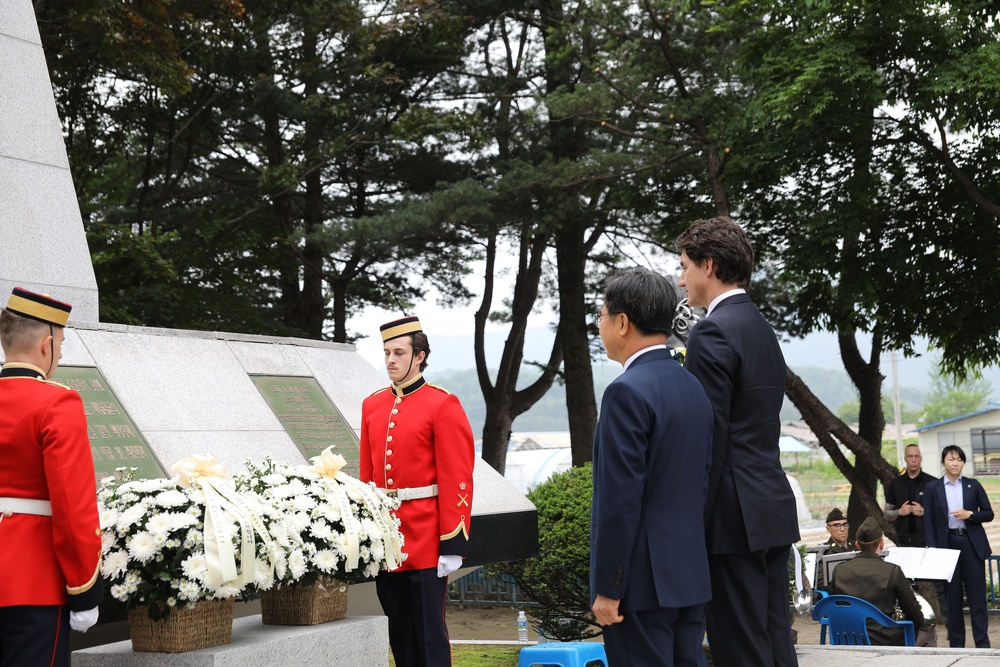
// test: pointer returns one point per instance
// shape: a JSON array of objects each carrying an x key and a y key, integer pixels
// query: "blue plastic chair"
[
  {"x": 563, "y": 654},
  {"x": 845, "y": 616}
]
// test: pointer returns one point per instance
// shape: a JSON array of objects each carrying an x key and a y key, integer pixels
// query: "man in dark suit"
[
  {"x": 750, "y": 511},
  {"x": 649, "y": 573},
  {"x": 955, "y": 509},
  {"x": 870, "y": 578}
]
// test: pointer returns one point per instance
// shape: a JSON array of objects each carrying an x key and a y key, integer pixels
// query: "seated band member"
[{"x": 870, "y": 578}]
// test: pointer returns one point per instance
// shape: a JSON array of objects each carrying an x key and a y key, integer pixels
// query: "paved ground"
[{"x": 500, "y": 624}]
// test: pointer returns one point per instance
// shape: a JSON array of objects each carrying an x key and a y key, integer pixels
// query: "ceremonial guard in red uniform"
[
  {"x": 50, "y": 536},
  {"x": 416, "y": 443}
]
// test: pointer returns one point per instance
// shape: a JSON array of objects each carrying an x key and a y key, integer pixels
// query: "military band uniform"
[
  {"x": 870, "y": 578},
  {"x": 416, "y": 436},
  {"x": 50, "y": 538},
  {"x": 830, "y": 547}
]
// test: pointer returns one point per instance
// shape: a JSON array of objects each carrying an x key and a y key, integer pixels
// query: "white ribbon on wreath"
[
  {"x": 205, "y": 473},
  {"x": 330, "y": 465}
]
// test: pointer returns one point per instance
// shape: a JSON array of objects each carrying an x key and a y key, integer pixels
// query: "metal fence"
[
  {"x": 993, "y": 570},
  {"x": 477, "y": 589}
]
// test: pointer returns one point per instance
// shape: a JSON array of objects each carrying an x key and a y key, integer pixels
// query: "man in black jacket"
[{"x": 750, "y": 510}]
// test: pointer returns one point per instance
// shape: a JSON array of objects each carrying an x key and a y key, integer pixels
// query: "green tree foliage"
[
  {"x": 262, "y": 151},
  {"x": 863, "y": 161},
  {"x": 558, "y": 578},
  {"x": 600, "y": 112},
  {"x": 953, "y": 397}
]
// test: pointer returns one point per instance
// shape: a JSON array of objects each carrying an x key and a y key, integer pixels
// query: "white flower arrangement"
[
  {"x": 324, "y": 523},
  {"x": 154, "y": 543}
]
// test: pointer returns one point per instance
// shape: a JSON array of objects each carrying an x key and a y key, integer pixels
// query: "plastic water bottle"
[{"x": 522, "y": 628}]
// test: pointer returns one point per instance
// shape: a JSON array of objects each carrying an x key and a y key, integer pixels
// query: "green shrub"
[{"x": 558, "y": 578}]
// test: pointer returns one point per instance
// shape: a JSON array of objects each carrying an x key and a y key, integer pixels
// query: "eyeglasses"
[
  {"x": 840, "y": 526},
  {"x": 600, "y": 316}
]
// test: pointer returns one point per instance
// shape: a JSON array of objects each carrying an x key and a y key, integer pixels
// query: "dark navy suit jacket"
[
  {"x": 735, "y": 355},
  {"x": 974, "y": 499},
  {"x": 651, "y": 456}
]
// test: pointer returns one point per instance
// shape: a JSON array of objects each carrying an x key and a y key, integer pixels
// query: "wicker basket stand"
[
  {"x": 320, "y": 602},
  {"x": 207, "y": 623}
]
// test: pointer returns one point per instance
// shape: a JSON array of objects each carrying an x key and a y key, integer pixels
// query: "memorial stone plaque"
[
  {"x": 310, "y": 417},
  {"x": 115, "y": 442}
]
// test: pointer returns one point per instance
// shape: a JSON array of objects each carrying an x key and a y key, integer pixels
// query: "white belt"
[
  {"x": 412, "y": 493},
  {"x": 10, "y": 506}
]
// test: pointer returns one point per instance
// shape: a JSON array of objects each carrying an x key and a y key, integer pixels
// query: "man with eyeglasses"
[
  {"x": 837, "y": 526},
  {"x": 649, "y": 571}
]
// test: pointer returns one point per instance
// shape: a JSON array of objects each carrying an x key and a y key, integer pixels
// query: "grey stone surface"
[
  {"x": 269, "y": 358},
  {"x": 44, "y": 247},
  {"x": 74, "y": 352},
  {"x": 230, "y": 448},
  {"x": 361, "y": 641},
  {"x": 189, "y": 393},
  {"x": 892, "y": 656},
  {"x": 179, "y": 383},
  {"x": 31, "y": 129},
  {"x": 494, "y": 494},
  {"x": 17, "y": 20}
]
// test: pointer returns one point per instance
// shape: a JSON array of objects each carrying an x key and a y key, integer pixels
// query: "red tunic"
[
  {"x": 414, "y": 437},
  {"x": 45, "y": 455}
]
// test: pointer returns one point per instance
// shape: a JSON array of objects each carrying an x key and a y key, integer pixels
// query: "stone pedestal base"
[{"x": 357, "y": 641}]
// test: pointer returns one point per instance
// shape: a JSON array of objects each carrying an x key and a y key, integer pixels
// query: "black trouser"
[
  {"x": 34, "y": 636},
  {"x": 970, "y": 574},
  {"x": 414, "y": 602},
  {"x": 748, "y": 617}
]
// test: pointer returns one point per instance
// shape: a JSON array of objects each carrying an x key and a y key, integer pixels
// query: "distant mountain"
[
  {"x": 815, "y": 358},
  {"x": 832, "y": 387}
]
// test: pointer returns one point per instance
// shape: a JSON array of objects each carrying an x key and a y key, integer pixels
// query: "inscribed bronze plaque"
[
  {"x": 310, "y": 417},
  {"x": 115, "y": 442}
]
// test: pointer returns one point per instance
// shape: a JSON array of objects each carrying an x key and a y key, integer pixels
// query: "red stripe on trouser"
[{"x": 55, "y": 642}]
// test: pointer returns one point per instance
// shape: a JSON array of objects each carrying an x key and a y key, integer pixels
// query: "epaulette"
[
  {"x": 379, "y": 391},
  {"x": 439, "y": 388},
  {"x": 55, "y": 383}
]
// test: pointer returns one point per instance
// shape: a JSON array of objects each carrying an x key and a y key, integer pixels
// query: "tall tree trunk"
[
  {"x": 313, "y": 257},
  {"x": 567, "y": 142},
  {"x": 288, "y": 263},
  {"x": 504, "y": 402},
  {"x": 581, "y": 404}
]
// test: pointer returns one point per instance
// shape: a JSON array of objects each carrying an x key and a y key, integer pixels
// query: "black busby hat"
[
  {"x": 397, "y": 328},
  {"x": 39, "y": 307}
]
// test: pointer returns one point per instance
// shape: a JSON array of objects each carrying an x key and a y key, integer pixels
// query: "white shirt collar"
[
  {"x": 628, "y": 362},
  {"x": 725, "y": 295}
]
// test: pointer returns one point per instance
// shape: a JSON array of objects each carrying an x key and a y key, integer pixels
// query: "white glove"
[
  {"x": 448, "y": 564},
  {"x": 81, "y": 621}
]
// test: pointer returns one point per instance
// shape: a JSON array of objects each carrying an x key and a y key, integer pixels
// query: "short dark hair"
[
  {"x": 19, "y": 333},
  {"x": 869, "y": 546},
  {"x": 725, "y": 242},
  {"x": 952, "y": 449},
  {"x": 421, "y": 344},
  {"x": 646, "y": 297}
]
